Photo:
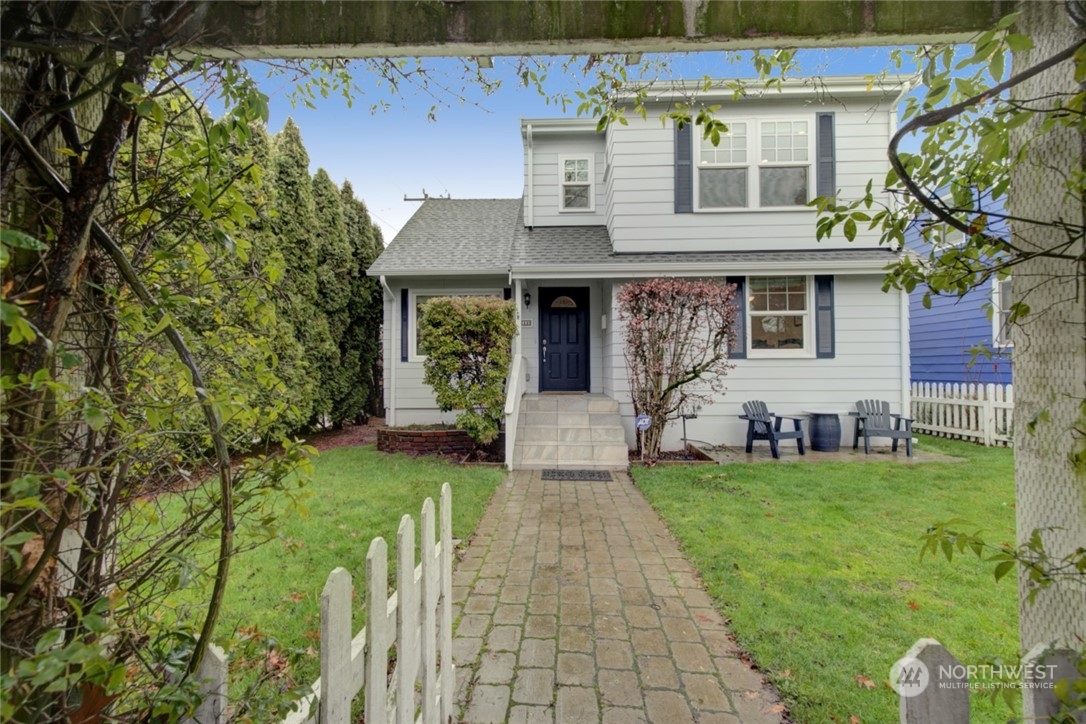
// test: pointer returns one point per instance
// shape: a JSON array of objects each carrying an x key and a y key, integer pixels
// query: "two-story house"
[{"x": 647, "y": 199}]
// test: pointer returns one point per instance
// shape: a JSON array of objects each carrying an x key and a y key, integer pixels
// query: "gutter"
[
  {"x": 693, "y": 269},
  {"x": 390, "y": 394}
]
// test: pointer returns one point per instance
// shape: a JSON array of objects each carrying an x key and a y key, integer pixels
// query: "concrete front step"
[
  {"x": 570, "y": 432},
  {"x": 568, "y": 403}
]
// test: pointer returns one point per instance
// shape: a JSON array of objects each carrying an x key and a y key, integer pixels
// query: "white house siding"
[
  {"x": 545, "y": 179},
  {"x": 412, "y": 398},
  {"x": 642, "y": 217},
  {"x": 530, "y": 340},
  {"x": 868, "y": 364},
  {"x": 609, "y": 345}
]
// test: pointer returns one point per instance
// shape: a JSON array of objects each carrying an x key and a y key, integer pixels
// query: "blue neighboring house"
[{"x": 942, "y": 338}]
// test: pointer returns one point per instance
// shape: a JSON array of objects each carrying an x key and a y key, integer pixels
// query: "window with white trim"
[
  {"x": 755, "y": 164},
  {"x": 421, "y": 296},
  {"x": 576, "y": 184},
  {"x": 1001, "y": 313},
  {"x": 779, "y": 319}
]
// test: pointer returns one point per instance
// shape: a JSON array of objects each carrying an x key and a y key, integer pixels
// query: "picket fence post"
[
  {"x": 1042, "y": 667},
  {"x": 935, "y": 703},
  {"x": 417, "y": 618},
  {"x": 335, "y": 654},
  {"x": 212, "y": 678},
  {"x": 943, "y": 695}
]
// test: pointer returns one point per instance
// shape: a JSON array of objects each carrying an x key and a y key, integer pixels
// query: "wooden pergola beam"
[{"x": 381, "y": 28}]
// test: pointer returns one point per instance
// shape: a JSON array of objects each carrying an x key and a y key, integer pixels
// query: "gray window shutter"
[
  {"x": 825, "y": 338},
  {"x": 826, "y": 183},
  {"x": 739, "y": 350},
  {"x": 404, "y": 331},
  {"x": 684, "y": 170}
]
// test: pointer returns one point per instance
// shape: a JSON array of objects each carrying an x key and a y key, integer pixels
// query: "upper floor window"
[
  {"x": 576, "y": 184},
  {"x": 1001, "y": 313},
  {"x": 763, "y": 164}
]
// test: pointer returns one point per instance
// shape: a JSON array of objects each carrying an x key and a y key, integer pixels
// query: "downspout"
[
  {"x": 906, "y": 388},
  {"x": 390, "y": 409},
  {"x": 529, "y": 200},
  {"x": 903, "y": 297},
  {"x": 892, "y": 122}
]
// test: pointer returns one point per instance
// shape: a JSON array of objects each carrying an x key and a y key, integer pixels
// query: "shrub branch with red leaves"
[{"x": 677, "y": 332}]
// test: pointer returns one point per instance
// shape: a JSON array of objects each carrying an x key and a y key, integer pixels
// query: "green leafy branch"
[{"x": 1040, "y": 569}]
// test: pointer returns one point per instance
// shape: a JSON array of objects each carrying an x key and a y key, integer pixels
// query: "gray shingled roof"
[
  {"x": 451, "y": 236},
  {"x": 465, "y": 236},
  {"x": 589, "y": 247}
]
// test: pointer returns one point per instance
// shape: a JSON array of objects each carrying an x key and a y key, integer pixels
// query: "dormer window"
[
  {"x": 756, "y": 164},
  {"x": 576, "y": 182}
]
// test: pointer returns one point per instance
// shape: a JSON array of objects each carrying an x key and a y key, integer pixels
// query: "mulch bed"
[{"x": 349, "y": 435}]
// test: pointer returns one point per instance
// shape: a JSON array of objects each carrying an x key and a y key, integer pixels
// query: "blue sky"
[{"x": 472, "y": 149}]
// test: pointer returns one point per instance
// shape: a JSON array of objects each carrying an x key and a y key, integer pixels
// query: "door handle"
[{"x": 544, "y": 351}]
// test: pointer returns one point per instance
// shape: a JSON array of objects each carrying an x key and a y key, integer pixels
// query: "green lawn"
[
  {"x": 357, "y": 494},
  {"x": 817, "y": 566}
]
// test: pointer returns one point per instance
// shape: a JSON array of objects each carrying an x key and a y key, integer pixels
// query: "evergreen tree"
[
  {"x": 294, "y": 226},
  {"x": 269, "y": 264},
  {"x": 360, "y": 346},
  {"x": 335, "y": 270}
]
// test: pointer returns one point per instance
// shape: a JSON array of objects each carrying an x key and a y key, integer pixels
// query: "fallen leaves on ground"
[{"x": 865, "y": 682}]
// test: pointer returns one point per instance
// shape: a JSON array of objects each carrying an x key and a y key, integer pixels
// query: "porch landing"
[{"x": 569, "y": 431}]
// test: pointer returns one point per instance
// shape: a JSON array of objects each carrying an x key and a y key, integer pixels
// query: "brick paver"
[{"x": 578, "y": 606}]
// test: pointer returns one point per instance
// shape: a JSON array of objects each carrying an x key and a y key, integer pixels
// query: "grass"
[
  {"x": 817, "y": 566},
  {"x": 357, "y": 494}
]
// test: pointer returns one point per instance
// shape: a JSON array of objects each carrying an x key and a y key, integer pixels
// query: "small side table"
[{"x": 825, "y": 430}]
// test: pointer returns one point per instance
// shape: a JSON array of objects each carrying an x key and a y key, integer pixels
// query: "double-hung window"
[
  {"x": 723, "y": 170},
  {"x": 779, "y": 315},
  {"x": 755, "y": 164},
  {"x": 576, "y": 192},
  {"x": 784, "y": 164},
  {"x": 785, "y": 316}
]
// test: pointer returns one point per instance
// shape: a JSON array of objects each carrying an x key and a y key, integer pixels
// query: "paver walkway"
[{"x": 577, "y": 606}]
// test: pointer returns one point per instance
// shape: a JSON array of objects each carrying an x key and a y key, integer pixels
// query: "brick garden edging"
[{"x": 424, "y": 442}]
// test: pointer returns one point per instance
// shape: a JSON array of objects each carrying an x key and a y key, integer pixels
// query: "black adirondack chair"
[
  {"x": 764, "y": 425},
  {"x": 874, "y": 419}
]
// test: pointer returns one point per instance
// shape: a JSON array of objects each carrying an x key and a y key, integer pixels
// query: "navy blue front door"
[{"x": 563, "y": 339}]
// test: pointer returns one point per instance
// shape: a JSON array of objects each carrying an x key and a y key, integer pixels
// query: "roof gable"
[{"x": 452, "y": 236}]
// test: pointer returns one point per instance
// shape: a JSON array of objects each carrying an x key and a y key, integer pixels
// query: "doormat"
[{"x": 593, "y": 475}]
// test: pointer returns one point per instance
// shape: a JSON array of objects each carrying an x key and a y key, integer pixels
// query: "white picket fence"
[
  {"x": 979, "y": 413},
  {"x": 416, "y": 619},
  {"x": 938, "y": 688}
]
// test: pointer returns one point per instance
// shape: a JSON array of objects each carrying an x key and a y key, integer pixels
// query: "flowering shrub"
[
  {"x": 678, "y": 331},
  {"x": 467, "y": 345}
]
